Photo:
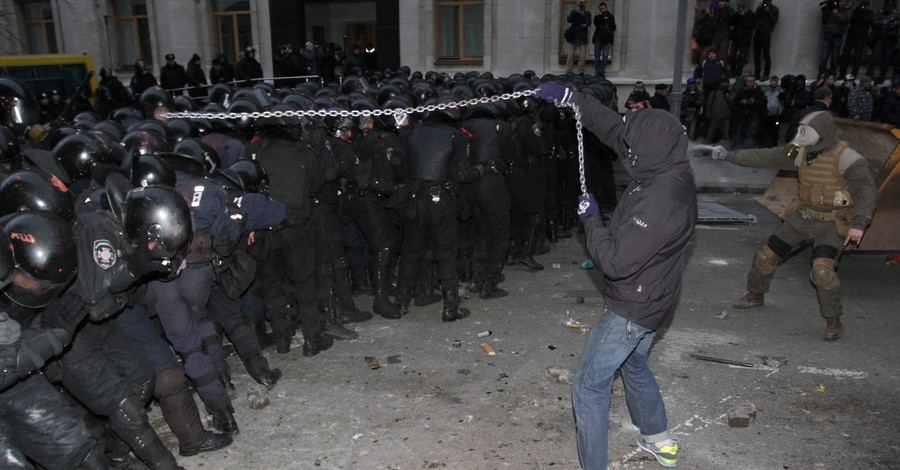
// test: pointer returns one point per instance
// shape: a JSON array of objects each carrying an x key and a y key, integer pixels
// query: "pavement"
[{"x": 818, "y": 405}]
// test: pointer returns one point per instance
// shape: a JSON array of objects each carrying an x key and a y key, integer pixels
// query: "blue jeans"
[
  {"x": 615, "y": 343},
  {"x": 601, "y": 57},
  {"x": 831, "y": 48}
]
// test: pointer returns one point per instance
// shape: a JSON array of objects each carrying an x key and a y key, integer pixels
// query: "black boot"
[
  {"x": 212, "y": 441},
  {"x": 529, "y": 263},
  {"x": 223, "y": 418},
  {"x": 313, "y": 346},
  {"x": 258, "y": 368},
  {"x": 359, "y": 281},
  {"x": 130, "y": 423},
  {"x": 333, "y": 329},
  {"x": 346, "y": 312},
  {"x": 452, "y": 310},
  {"x": 384, "y": 274},
  {"x": 424, "y": 293},
  {"x": 283, "y": 342},
  {"x": 491, "y": 291},
  {"x": 475, "y": 287}
]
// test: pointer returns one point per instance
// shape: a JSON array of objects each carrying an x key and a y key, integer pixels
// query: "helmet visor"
[{"x": 33, "y": 293}]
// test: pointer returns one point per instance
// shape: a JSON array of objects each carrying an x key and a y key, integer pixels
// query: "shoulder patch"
[{"x": 104, "y": 254}]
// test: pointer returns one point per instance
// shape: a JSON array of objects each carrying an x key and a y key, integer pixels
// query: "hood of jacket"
[{"x": 657, "y": 144}]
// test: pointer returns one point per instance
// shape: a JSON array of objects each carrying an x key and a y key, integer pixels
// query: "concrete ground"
[{"x": 432, "y": 405}]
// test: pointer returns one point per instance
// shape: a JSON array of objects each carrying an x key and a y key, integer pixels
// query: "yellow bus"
[{"x": 46, "y": 72}]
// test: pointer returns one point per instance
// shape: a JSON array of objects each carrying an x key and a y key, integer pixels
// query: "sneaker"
[{"x": 665, "y": 455}]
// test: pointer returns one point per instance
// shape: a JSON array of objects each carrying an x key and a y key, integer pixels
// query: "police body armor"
[
  {"x": 192, "y": 189},
  {"x": 430, "y": 148},
  {"x": 488, "y": 138}
]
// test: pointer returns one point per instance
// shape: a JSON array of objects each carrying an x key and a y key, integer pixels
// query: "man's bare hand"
[{"x": 854, "y": 236}]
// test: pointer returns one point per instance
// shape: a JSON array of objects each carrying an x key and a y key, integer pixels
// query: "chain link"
[{"x": 398, "y": 114}]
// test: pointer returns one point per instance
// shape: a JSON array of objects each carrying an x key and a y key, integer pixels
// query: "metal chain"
[{"x": 398, "y": 114}]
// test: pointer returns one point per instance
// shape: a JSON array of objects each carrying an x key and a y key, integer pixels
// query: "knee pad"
[
  {"x": 823, "y": 274},
  {"x": 129, "y": 414},
  {"x": 765, "y": 260}
]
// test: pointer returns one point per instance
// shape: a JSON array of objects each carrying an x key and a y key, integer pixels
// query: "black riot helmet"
[
  {"x": 527, "y": 104},
  {"x": 482, "y": 110},
  {"x": 244, "y": 106},
  {"x": 159, "y": 216},
  {"x": 387, "y": 92},
  {"x": 184, "y": 103},
  {"x": 45, "y": 257},
  {"x": 33, "y": 189},
  {"x": 394, "y": 121},
  {"x": 113, "y": 128},
  {"x": 336, "y": 124},
  {"x": 152, "y": 99},
  {"x": 450, "y": 115},
  {"x": 198, "y": 151},
  {"x": 248, "y": 175},
  {"x": 146, "y": 142},
  {"x": 9, "y": 145},
  {"x": 19, "y": 108},
  {"x": 126, "y": 116},
  {"x": 179, "y": 129},
  {"x": 151, "y": 169},
  {"x": 79, "y": 153},
  {"x": 221, "y": 94}
]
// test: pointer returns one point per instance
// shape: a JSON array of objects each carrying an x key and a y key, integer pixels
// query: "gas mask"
[{"x": 806, "y": 136}]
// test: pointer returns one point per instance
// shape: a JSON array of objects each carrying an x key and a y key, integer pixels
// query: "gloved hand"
[
  {"x": 141, "y": 262},
  {"x": 587, "y": 206},
  {"x": 363, "y": 182},
  {"x": 719, "y": 152},
  {"x": 550, "y": 92},
  {"x": 65, "y": 313}
]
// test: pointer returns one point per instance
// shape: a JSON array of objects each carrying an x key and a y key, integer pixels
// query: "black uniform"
[
  {"x": 141, "y": 81},
  {"x": 436, "y": 164},
  {"x": 527, "y": 188},
  {"x": 376, "y": 176},
  {"x": 288, "y": 265},
  {"x": 173, "y": 76},
  {"x": 490, "y": 146}
]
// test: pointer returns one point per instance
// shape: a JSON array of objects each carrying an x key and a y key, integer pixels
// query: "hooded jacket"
[{"x": 642, "y": 250}]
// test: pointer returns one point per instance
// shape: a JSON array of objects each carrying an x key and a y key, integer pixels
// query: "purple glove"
[
  {"x": 551, "y": 92},
  {"x": 587, "y": 206}
]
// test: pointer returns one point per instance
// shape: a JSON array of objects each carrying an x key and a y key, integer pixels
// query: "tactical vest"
[
  {"x": 200, "y": 250},
  {"x": 822, "y": 187}
]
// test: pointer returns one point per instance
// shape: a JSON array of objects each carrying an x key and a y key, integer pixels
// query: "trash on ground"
[
  {"x": 357, "y": 436},
  {"x": 456, "y": 343},
  {"x": 561, "y": 374},
  {"x": 556, "y": 265},
  {"x": 820, "y": 388},
  {"x": 722, "y": 315},
  {"x": 394, "y": 359},
  {"x": 573, "y": 323},
  {"x": 483, "y": 334},
  {"x": 551, "y": 347},
  {"x": 588, "y": 264},
  {"x": 372, "y": 362},
  {"x": 488, "y": 349}
]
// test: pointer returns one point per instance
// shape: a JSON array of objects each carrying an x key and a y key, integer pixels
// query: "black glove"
[{"x": 65, "y": 313}]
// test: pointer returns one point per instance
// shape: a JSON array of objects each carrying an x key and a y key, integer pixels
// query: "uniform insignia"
[
  {"x": 639, "y": 222},
  {"x": 104, "y": 254},
  {"x": 198, "y": 195},
  {"x": 536, "y": 129}
]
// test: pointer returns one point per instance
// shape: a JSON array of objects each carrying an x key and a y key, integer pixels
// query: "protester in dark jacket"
[{"x": 641, "y": 254}]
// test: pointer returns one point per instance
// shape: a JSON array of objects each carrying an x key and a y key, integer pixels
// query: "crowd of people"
[{"x": 253, "y": 230}]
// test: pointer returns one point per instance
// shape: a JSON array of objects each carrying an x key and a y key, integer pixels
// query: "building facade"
[{"x": 500, "y": 36}]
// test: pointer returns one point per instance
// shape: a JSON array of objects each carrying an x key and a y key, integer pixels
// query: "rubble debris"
[
  {"x": 741, "y": 415},
  {"x": 258, "y": 398},
  {"x": 561, "y": 374}
]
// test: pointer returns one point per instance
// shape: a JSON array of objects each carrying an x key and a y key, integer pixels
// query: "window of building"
[
  {"x": 460, "y": 31},
  {"x": 40, "y": 36},
  {"x": 233, "y": 27},
  {"x": 132, "y": 32}
]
